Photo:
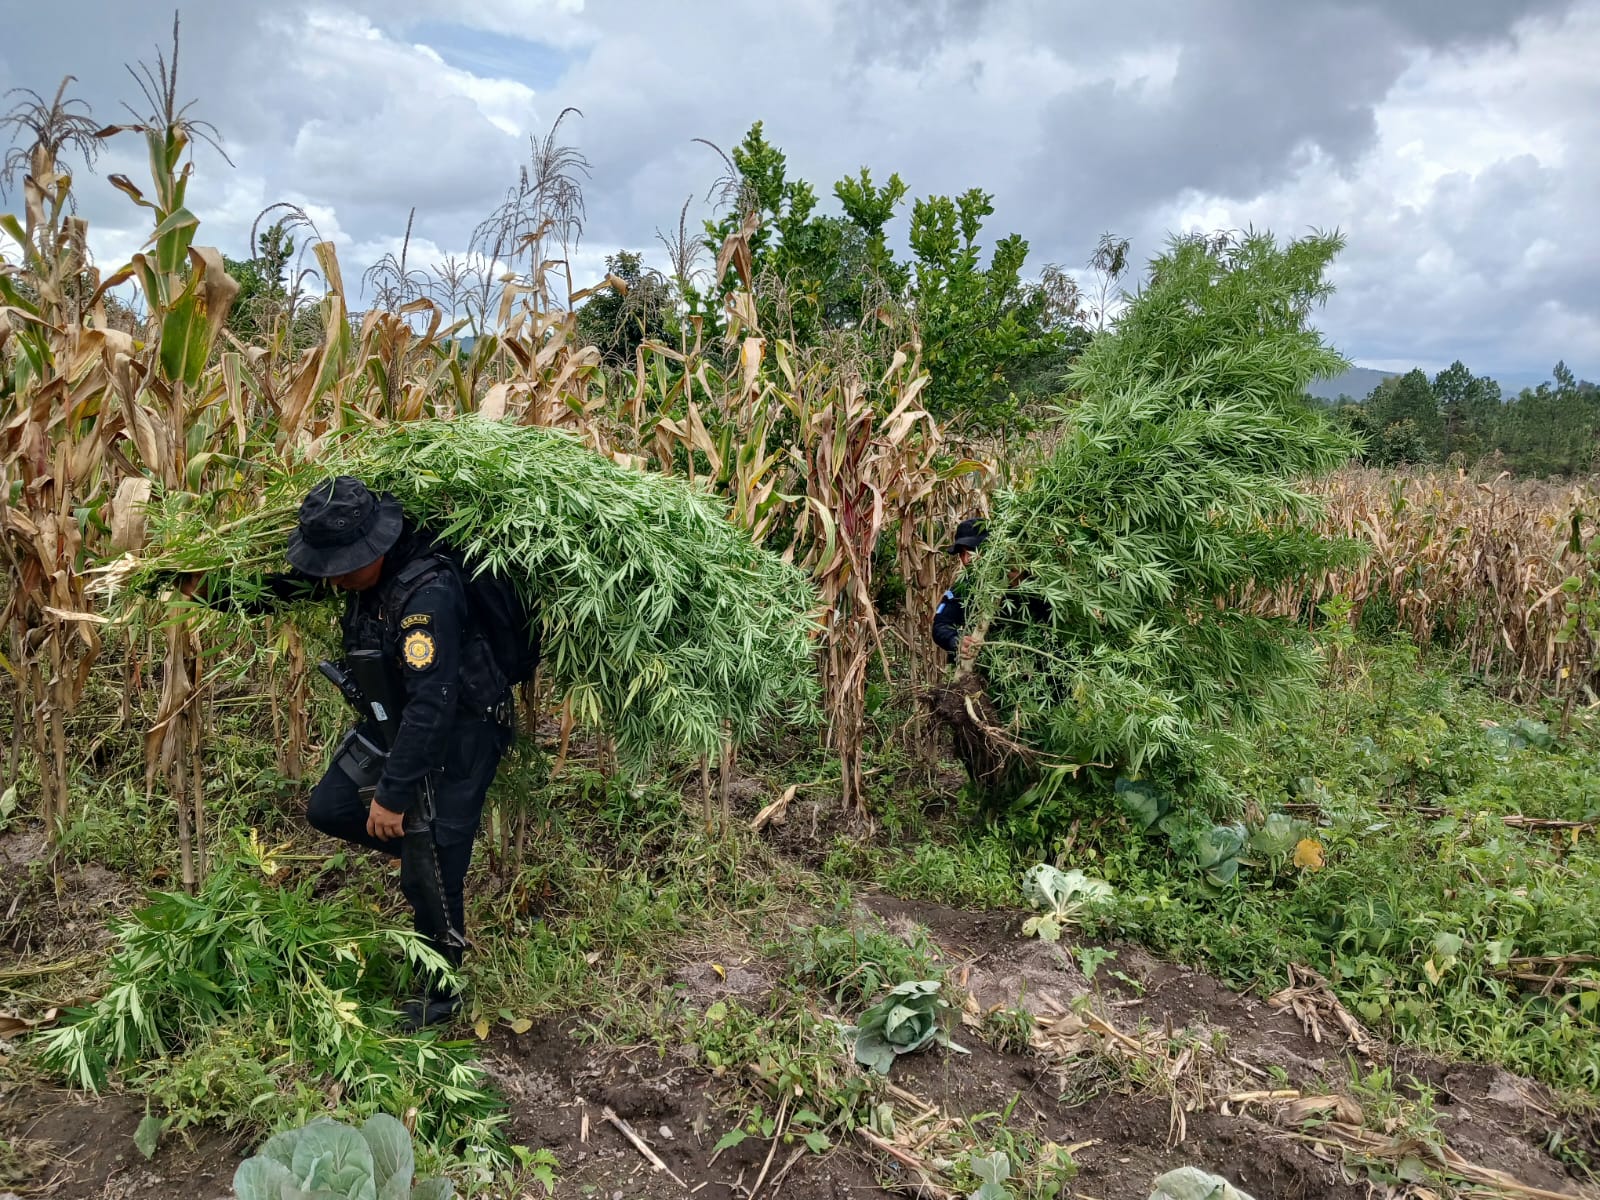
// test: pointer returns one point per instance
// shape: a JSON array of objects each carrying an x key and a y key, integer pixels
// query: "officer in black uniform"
[
  {"x": 951, "y": 614},
  {"x": 408, "y": 602}
]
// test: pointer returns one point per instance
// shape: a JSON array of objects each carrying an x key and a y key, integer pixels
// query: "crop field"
[{"x": 1256, "y": 829}]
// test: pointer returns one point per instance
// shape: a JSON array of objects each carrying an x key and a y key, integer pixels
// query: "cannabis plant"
[
  {"x": 250, "y": 961},
  {"x": 1177, "y": 483},
  {"x": 661, "y": 622}
]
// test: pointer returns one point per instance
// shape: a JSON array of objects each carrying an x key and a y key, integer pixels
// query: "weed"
[
  {"x": 250, "y": 963},
  {"x": 854, "y": 964},
  {"x": 1008, "y": 1029}
]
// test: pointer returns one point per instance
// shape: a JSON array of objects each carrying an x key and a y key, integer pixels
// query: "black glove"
[{"x": 159, "y": 581}]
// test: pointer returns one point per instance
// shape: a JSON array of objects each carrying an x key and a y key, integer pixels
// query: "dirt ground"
[
  {"x": 559, "y": 1089},
  {"x": 1489, "y": 1117}
]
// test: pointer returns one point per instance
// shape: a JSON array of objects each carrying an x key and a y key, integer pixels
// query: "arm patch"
[
  {"x": 417, "y": 650},
  {"x": 412, "y": 620}
]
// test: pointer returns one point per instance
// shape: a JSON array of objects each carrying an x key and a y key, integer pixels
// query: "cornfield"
[
  {"x": 1505, "y": 571},
  {"x": 105, "y": 403},
  {"x": 822, "y": 454}
]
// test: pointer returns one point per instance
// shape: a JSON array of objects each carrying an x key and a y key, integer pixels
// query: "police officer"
[
  {"x": 406, "y": 601},
  {"x": 951, "y": 614}
]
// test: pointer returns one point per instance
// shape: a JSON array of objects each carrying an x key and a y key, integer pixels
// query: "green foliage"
[
  {"x": 990, "y": 339},
  {"x": 267, "y": 303},
  {"x": 248, "y": 970},
  {"x": 336, "y": 1162},
  {"x": 659, "y": 618},
  {"x": 993, "y": 1172},
  {"x": 1176, "y": 484},
  {"x": 904, "y": 1021},
  {"x": 1063, "y": 897},
  {"x": 856, "y": 963},
  {"x": 981, "y": 327},
  {"x": 1462, "y": 418},
  {"x": 1191, "y": 1183},
  {"x": 1404, "y": 416},
  {"x": 618, "y": 321},
  {"x": 1426, "y": 897}
]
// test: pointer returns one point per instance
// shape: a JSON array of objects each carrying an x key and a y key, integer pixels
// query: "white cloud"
[
  {"x": 1466, "y": 238},
  {"x": 1461, "y": 161}
]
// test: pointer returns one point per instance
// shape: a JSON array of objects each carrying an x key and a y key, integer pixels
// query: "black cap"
[
  {"x": 970, "y": 534},
  {"x": 343, "y": 527}
]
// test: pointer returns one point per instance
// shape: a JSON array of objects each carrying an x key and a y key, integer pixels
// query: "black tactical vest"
[{"x": 371, "y": 621}]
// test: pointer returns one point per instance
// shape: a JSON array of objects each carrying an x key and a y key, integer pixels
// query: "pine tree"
[{"x": 1176, "y": 484}]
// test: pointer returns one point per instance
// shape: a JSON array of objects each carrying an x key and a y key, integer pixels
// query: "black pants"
[{"x": 337, "y": 809}]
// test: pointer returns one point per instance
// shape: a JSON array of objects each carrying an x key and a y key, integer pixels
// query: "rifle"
[{"x": 368, "y": 686}]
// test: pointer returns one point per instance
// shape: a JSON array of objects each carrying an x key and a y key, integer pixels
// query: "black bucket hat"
[
  {"x": 343, "y": 527},
  {"x": 970, "y": 534}
]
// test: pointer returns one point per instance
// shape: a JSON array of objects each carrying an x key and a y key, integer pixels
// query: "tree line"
[{"x": 1464, "y": 419}]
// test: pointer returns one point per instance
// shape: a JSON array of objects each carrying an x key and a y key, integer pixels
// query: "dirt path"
[{"x": 1489, "y": 1117}]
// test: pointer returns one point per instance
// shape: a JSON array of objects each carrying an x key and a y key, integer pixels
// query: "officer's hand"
[{"x": 385, "y": 825}]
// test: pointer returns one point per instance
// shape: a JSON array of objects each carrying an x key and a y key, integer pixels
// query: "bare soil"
[
  {"x": 559, "y": 1088},
  {"x": 1491, "y": 1118}
]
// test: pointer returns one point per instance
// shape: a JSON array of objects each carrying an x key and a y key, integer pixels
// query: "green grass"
[
  {"x": 621, "y": 893},
  {"x": 1405, "y": 772}
]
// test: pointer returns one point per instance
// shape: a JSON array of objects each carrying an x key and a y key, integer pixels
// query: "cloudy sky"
[{"x": 1455, "y": 142}]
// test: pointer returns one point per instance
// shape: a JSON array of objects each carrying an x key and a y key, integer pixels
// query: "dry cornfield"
[
  {"x": 823, "y": 454},
  {"x": 1505, "y": 571},
  {"x": 95, "y": 417}
]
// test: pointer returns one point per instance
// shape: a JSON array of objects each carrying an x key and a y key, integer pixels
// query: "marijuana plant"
[{"x": 1177, "y": 483}]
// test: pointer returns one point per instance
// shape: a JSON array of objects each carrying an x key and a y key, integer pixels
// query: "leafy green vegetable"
[
  {"x": 1279, "y": 834},
  {"x": 1217, "y": 851},
  {"x": 907, "y": 1019},
  {"x": 1062, "y": 895},
  {"x": 993, "y": 1171},
  {"x": 336, "y": 1162},
  {"x": 1191, "y": 1183}
]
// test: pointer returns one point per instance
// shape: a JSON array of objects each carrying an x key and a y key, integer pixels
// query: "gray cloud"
[{"x": 1398, "y": 120}]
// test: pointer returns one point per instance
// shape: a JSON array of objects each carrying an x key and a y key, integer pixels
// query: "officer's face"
[
  {"x": 964, "y": 556},
  {"x": 359, "y": 581}
]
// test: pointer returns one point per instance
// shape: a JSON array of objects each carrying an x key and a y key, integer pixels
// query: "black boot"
[
  {"x": 430, "y": 1008},
  {"x": 435, "y": 1000}
]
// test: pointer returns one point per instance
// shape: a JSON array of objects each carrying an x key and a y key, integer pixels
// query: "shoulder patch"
[
  {"x": 418, "y": 650},
  {"x": 412, "y": 620}
]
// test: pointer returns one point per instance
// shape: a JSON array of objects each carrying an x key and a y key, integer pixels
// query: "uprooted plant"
[{"x": 1104, "y": 591}]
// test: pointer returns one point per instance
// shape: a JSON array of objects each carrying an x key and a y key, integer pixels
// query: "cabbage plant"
[
  {"x": 327, "y": 1160},
  {"x": 907, "y": 1019},
  {"x": 1062, "y": 896}
]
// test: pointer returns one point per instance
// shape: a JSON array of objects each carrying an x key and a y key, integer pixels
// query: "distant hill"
[{"x": 1356, "y": 383}]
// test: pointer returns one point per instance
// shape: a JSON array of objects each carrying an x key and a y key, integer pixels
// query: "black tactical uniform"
[
  {"x": 951, "y": 614},
  {"x": 454, "y": 721},
  {"x": 452, "y": 725},
  {"x": 948, "y": 619}
]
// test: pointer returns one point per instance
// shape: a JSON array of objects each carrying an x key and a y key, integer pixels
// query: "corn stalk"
[
  {"x": 56, "y": 418},
  {"x": 1506, "y": 571},
  {"x": 861, "y": 449}
]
